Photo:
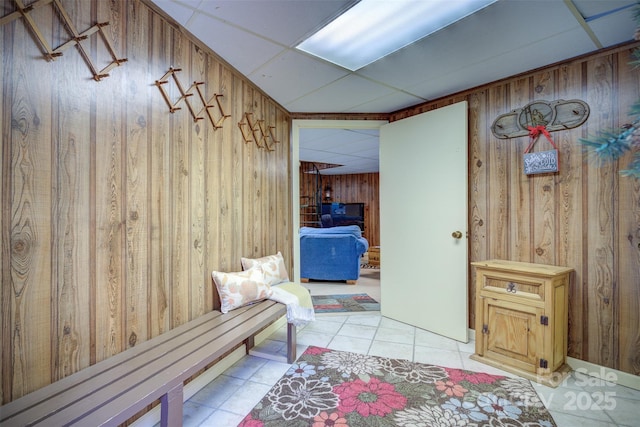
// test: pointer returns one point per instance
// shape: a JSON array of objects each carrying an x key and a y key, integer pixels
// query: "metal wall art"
[
  {"x": 554, "y": 116},
  {"x": 536, "y": 119}
]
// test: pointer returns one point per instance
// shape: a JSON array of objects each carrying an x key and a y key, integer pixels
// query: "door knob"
[{"x": 456, "y": 235}]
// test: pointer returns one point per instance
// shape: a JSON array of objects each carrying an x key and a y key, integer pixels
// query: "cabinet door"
[{"x": 513, "y": 333}]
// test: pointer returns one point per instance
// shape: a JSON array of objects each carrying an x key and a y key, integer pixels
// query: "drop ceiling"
[{"x": 258, "y": 38}]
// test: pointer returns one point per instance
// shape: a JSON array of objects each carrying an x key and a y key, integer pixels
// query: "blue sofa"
[{"x": 331, "y": 253}]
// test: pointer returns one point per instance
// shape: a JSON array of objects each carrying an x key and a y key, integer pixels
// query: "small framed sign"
[{"x": 541, "y": 162}]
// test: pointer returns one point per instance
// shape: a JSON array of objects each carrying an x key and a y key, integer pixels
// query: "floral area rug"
[
  {"x": 337, "y": 388},
  {"x": 344, "y": 303}
]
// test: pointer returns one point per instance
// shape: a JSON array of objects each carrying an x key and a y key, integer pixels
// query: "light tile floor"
[{"x": 581, "y": 401}]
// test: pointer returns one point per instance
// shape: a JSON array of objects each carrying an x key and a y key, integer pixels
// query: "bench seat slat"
[
  {"x": 104, "y": 367},
  {"x": 178, "y": 372},
  {"x": 117, "y": 389}
]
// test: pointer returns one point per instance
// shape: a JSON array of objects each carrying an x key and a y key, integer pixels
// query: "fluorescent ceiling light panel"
[{"x": 373, "y": 29}]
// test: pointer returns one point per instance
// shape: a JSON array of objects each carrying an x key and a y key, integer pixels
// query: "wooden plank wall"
[
  {"x": 115, "y": 211},
  {"x": 354, "y": 188},
  {"x": 586, "y": 216}
]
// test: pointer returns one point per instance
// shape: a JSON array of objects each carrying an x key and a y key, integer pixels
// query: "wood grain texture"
[
  {"x": 568, "y": 211},
  {"x": 115, "y": 211},
  {"x": 5, "y": 332},
  {"x": 520, "y": 226},
  {"x": 497, "y": 181},
  {"x": 628, "y": 245},
  {"x": 159, "y": 175},
  {"x": 602, "y": 187},
  {"x": 30, "y": 163},
  {"x": 477, "y": 205}
]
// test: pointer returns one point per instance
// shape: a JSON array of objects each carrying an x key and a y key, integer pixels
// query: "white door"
[{"x": 423, "y": 201}]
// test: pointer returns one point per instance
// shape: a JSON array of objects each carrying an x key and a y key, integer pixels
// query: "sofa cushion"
[
  {"x": 341, "y": 229},
  {"x": 331, "y": 253}
]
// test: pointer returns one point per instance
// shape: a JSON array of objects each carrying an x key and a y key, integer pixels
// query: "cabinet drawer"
[{"x": 534, "y": 290}]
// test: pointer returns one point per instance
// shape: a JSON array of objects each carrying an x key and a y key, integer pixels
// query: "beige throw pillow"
[
  {"x": 272, "y": 265},
  {"x": 241, "y": 288}
]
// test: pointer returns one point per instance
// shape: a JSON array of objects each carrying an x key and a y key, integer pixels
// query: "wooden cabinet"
[{"x": 522, "y": 318}]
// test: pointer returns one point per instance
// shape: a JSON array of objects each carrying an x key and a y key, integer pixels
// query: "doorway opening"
[{"x": 370, "y": 276}]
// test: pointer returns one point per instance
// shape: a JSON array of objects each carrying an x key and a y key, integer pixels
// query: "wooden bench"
[{"x": 114, "y": 390}]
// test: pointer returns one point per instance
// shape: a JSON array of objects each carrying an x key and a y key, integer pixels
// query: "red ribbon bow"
[{"x": 534, "y": 134}]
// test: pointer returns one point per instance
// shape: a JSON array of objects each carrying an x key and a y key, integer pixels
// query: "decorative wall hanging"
[
  {"x": 539, "y": 118},
  {"x": 51, "y": 54},
  {"x": 611, "y": 145},
  {"x": 555, "y": 115},
  {"x": 256, "y": 131},
  {"x": 540, "y": 161},
  {"x": 186, "y": 94}
]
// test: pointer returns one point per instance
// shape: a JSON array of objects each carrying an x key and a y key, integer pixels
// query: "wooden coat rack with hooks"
[
  {"x": 186, "y": 94},
  {"x": 76, "y": 37},
  {"x": 256, "y": 131}
]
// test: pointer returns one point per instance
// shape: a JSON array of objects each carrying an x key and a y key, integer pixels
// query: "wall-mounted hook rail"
[
  {"x": 255, "y": 130},
  {"x": 76, "y": 37}
]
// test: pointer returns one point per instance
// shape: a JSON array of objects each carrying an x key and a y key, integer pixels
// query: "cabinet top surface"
[{"x": 523, "y": 267}]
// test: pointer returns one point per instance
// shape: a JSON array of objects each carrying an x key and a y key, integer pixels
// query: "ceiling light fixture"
[{"x": 373, "y": 29}]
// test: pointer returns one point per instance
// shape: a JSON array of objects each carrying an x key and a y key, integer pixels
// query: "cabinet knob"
[{"x": 457, "y": 234}]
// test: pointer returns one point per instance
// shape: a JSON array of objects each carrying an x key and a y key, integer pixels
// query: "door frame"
[{"x": 296, "y": 125}]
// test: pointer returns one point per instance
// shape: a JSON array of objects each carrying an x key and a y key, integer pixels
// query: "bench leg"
[
  {"x": 171, "y": 407},
  {"x": 291, "y": 343}
]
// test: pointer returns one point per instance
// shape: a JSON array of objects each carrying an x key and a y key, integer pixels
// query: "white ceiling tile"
[
  {"x": 180, "y": 11},
  {"x": 330, "y": 97},
  {"x": 611, "y": 29},
  {"x": 292, "y": 74},
  {"x": 592, "y": 8},
  {"x": 283, "y": 21},
  {"x": 473, "y": 40},
  {"x": 243, "y": 50},
  {"x": 393, "y": 102},
  {"x": 513, "y": 62}
]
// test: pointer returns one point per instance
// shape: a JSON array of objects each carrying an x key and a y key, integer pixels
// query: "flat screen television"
[{"x": 345, "y": 213}]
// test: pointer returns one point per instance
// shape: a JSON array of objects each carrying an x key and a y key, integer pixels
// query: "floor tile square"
[
  {"x": 217, "y": 391},
  {"x": 429, "y": 339},
  {"x": 623, "y": 411},
  {"x": 401, "y": 336},
  {"x": 222, "y": 418},
  {"x": 270, "y": 373},
  {"x": 392, "y": 350},
  {"x": 364, "y": 319},
  {"x": 194, "y": 414},
  {"x": 355, "y": 345},
  {"x": 324, "y": 326},
  {"x": 317, "y": 339},
  {"x": 357, "y": 331},
  {"x": 386, "y": 322},
  {"x": 246, "y": 367},
  {"x": 434, "y": 356},
  {"x": 248, "y": 396}
]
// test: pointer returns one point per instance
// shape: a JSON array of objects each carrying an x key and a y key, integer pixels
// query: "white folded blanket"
[{"x": 298, "y": 313}]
